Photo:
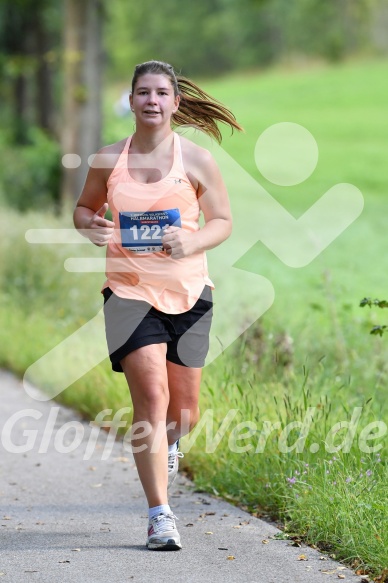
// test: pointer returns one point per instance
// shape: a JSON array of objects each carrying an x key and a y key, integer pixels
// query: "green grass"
[{"x": 311, "y": 349}]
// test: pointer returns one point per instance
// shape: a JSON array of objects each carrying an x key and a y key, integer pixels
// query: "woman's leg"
[
  {"x": 183, "y": 412},
  {"x": 146, "y": 374}
]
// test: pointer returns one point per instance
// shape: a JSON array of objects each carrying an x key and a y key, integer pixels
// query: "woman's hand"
[
  {"x": 179, "y": 243},
  {"x": 99, "y": 229}
]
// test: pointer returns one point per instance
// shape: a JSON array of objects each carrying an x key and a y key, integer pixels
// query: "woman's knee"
[
  {"x": 194, "y": 418},
  {"x": 145, "y": 371},
  {"x": 151, "y": 401},
  {"x": 183, "y": 420}
]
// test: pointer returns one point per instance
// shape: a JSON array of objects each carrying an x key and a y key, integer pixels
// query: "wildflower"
[
  {"x": 348, "y": 479},
  {"x": 368, "y": 473},
  {"x": 291, "y": 480}
]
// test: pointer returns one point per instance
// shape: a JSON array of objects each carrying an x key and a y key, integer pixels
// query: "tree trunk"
[
  {"x": 82, "y": 87},
  {"x": 91, "y": 117},
  {"x": 44, "y": 93},
  {"x": 21, "y": 49},
  {"x": 20, "y": 114}
]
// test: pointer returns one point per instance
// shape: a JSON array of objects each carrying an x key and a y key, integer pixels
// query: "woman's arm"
[
  {"x": 91, "y": 208},
  {"x": 213, "y": 202}
]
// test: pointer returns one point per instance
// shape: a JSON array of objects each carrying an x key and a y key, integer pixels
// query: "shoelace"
[
  {"x": 171, "y": 459},
  {"x": 167, "y": 524}
]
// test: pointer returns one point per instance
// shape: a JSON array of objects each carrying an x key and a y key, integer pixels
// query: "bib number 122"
[
  {"x": 142, "y": 232},
  {"x": 146, "y": 232}
]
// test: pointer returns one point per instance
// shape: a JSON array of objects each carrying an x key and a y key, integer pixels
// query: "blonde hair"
[{"x": 196, "y": 108}]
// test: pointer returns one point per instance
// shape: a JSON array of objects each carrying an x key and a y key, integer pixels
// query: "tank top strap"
[
  {"x": 127, "y": 144},
  {"x": 177, "y": 167},
  {"x": 178, "y": 159},
  {"x": 122, "y": 161}
]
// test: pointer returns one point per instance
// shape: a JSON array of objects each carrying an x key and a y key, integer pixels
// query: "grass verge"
[{"x": 308, "y": 357}]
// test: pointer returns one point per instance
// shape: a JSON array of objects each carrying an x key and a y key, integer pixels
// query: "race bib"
[{"x": 143, "y": 232}]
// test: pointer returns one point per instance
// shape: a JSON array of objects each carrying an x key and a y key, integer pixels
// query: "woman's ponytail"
[{"x": 196, "y": 108}]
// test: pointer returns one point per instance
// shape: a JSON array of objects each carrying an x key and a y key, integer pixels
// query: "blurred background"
[
  {"x": 65, "y": 74},
  {"x": 60, "y": 60}
]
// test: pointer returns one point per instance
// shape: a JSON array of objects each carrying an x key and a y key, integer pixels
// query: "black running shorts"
[{"x": 132, "y": 324}]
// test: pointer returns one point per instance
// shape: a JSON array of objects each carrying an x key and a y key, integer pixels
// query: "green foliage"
[
  {"x": 376, "y": 330},
  {"x": 338, "y": 498},
  {"x": 326, "y": 365},
  {"x": 206, "y": 38},
  {"x": 331, "y": 495},
  {"x": 369, "y": 302},
  {"x": 30, "y": 45},
  {"x": 30, "y": 175},
  {"x": 41, "y": 304},
  {"x": 330, "y": 29}
]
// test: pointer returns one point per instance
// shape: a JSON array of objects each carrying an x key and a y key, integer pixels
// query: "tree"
[
  {"x": 27, "y": 38},
  {"x": 81, "y": 123}
]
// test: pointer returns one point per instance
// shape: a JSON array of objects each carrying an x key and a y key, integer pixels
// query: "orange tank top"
[{"x": 170, "y": 285}]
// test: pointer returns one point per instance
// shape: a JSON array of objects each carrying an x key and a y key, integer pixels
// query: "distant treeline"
[
  {"x": 55, "y": 55},
  {"x": 207, "y": 37},
  {"x": 201, "y": 38}
]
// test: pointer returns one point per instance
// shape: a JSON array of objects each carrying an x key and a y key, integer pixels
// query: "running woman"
[{"x": 157, "y": 294}]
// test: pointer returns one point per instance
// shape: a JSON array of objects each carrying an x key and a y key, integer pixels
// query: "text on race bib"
[{"x": 143, "y": 232}]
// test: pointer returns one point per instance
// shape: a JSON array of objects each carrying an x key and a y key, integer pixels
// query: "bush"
[{"x": 30, "y": 175}]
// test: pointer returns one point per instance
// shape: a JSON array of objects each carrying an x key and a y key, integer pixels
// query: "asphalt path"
[{"x": 72, "y": 510}]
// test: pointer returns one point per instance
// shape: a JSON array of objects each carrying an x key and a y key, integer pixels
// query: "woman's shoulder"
[
  {"x": 115, "y": 148},
  {"x": 112, "y": 150},
  {"x": 195, "y": 155},
  {"x": 106, "y": 158}
]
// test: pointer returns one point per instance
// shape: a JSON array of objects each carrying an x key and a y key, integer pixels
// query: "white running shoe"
[
  {"x": 173, "y": 464},
  {"x": 162, "y": 533}
]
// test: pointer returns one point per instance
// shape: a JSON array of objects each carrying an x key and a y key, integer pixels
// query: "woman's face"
[{"x": 153, "y": 100}]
